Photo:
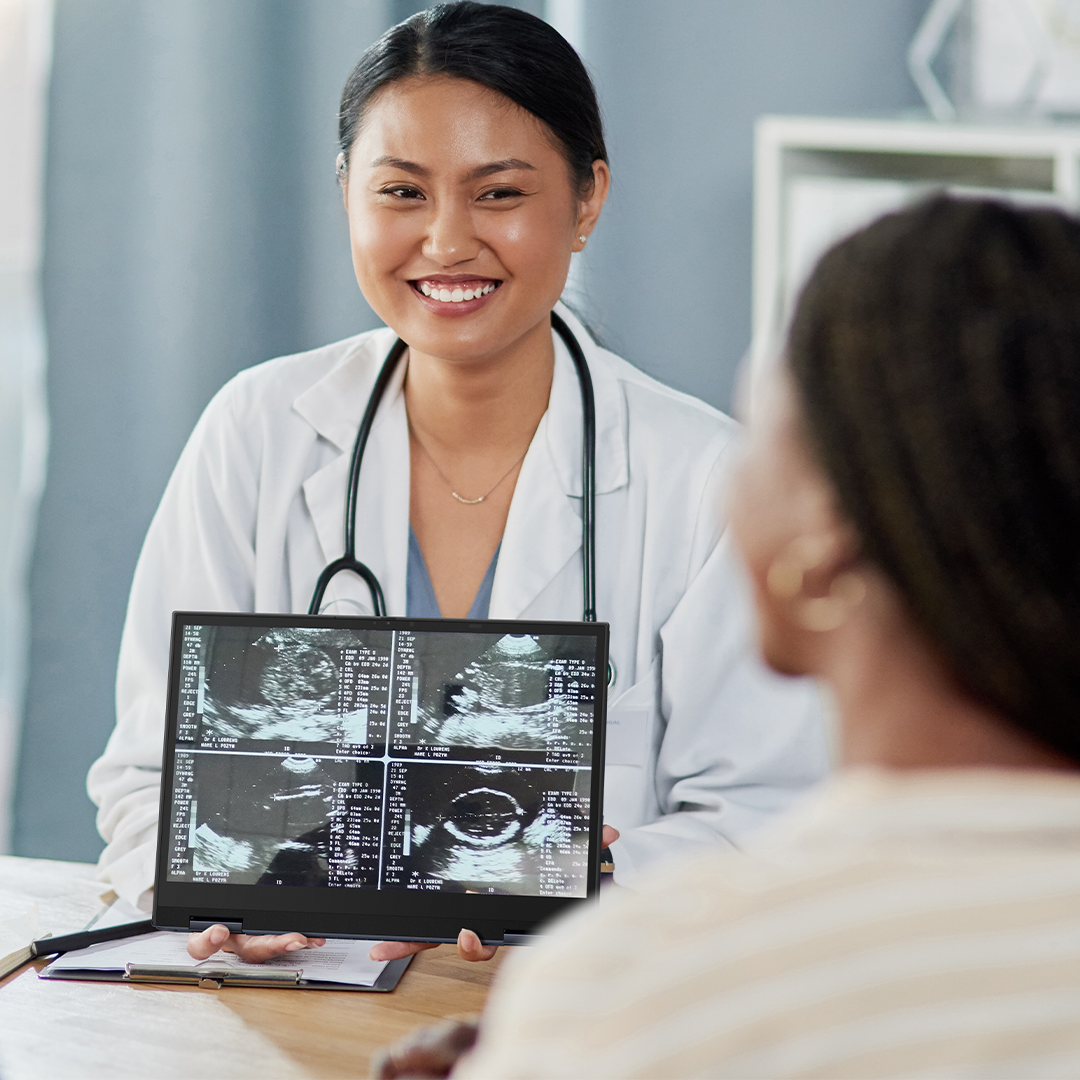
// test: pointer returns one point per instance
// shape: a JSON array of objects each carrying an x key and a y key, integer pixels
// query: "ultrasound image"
[
  {"x": 283, "y": 684},
  {"x": 493, "y": 829},
  {"x": 260, "y": 819},
  {"x": 518, "y": 693},
  {"x": 288, "y": 777}
]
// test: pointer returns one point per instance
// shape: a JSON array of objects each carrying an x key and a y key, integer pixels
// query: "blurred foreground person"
[{"x": 909, "y": 510}]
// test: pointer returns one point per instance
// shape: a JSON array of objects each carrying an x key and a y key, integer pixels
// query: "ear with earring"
[{"x": 787, "y": 576}]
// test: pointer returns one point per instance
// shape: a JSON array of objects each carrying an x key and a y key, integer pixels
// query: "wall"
[
  {"x": 193, "y": 228},
  {"x": 668, "y": 271}
]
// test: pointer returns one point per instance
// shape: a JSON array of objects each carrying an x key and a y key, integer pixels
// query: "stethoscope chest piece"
[{"x": 612, "y": 674}]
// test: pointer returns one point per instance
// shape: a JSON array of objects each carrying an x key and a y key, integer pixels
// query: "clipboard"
[
  {"x": 211, "y": 978},
  {"x": 161, "y": 957}
]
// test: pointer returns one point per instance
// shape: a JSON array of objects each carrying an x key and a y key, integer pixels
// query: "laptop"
[{"x": 383, "y": 778}]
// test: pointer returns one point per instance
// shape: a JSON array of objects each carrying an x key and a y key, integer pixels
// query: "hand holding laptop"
[
  {"x": 468, "y": 944},
  {"x": 257, "y": 948},
  {"x": 251, "y": 948}
]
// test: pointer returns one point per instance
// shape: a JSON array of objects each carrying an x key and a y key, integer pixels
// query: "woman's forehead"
[{"x": 443, "y": 118}]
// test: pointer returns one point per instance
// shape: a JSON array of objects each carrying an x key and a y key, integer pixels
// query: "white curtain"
[{"x": 25, "y": 47}]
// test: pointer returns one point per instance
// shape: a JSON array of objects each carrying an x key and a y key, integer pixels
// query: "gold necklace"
[{"x": 446, "y": 479}]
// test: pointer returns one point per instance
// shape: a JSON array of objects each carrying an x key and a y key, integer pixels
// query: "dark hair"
[
  {"x": 936, "y": 355},
  {"x": 508, "y": 51}
]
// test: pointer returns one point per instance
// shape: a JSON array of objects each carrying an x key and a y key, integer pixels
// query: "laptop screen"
[{"x": 431, "y": 759}]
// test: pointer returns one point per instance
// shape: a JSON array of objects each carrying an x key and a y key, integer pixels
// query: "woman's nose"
[{"x": 451, "y": 236}]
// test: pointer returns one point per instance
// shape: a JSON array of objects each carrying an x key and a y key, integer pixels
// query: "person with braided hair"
[{"x": 908, "y": 508}]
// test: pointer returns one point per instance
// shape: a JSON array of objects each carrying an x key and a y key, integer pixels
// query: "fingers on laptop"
[
  {"x": 395, "y": 950},
  {"x": 251, "y": 948},
  {"x": 470, "y": 947}
]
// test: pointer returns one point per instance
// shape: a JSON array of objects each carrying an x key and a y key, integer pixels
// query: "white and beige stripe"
[{"x": 898, "y": 925}]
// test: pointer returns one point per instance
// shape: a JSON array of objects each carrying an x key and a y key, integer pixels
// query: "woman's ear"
[
  {"x": 803, "y": 556},
  {"x": 816, "y": 579},
  {"x": 589, "y": 208}
]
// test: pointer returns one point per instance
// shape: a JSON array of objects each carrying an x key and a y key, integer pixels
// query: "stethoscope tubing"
[
  {"x": 348, "y": 561},
  {"x": 588, "y": 467}
]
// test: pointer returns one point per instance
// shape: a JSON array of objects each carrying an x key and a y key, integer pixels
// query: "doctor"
[{"x": 473, "y": 166}]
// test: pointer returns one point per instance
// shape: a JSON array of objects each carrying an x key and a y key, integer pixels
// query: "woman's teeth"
[{"x": 455, "y": 295}]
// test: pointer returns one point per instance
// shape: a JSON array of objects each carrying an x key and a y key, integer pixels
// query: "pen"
[{"x": 84, "y": 939}]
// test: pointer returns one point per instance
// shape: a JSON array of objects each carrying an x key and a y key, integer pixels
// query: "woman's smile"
[{"x": 454, "y": 295}]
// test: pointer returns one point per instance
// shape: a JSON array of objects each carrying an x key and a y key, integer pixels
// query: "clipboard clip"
[{"x": 210, "y": 978}]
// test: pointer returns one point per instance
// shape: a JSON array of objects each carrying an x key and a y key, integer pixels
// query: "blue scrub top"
[{"x": 420, "y": 602}]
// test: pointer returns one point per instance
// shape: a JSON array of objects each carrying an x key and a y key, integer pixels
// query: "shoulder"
[
  {"x": 688, "y": 940},
  {"x": 682, "y": 421},
  {"x": 270, "y": 389},
  {"x": 652, "y": 956}
]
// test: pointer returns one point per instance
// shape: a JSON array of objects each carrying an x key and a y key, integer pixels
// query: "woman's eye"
[
  {"x": 501, "y": 193},
  {"x": 402, "y": 191}
]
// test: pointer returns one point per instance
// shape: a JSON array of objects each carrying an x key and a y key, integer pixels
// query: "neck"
[
  {"x": 901, "y": 708},
  {"x": 485, "y": 405}
]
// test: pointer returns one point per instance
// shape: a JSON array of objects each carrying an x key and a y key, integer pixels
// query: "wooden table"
[{"x": 70, "y": 1029}]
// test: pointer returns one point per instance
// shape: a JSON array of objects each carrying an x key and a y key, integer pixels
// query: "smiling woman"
[
  {"x": 465, "y": 252},
  {"x": 472, "y": 168}
]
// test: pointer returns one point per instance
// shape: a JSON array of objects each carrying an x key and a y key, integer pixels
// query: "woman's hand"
[
  {"x": 608, "y": 836},
  {"x": 251, "y": 948},
  {"x": 426, "y": 1052},
  {"x": 257, "y": 948},
  {"x": 469, "y": 945}
]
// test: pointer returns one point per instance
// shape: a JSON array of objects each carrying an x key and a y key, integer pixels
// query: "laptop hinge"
[{"x": 201, "y": 922}]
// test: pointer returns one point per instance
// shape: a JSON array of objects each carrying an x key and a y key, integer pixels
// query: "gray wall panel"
[{"x": 667, "y": 279}]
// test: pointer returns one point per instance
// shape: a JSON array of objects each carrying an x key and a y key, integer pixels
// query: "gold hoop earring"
[{"x": 787, "y": 573}]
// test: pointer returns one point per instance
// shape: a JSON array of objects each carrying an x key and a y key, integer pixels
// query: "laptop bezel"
[{"x": 374, "y": 914}]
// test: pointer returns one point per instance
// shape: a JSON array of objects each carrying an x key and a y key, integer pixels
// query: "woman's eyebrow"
[
  {"x": 492, "y": 167},
  {"x": 400, "y": 163},
  {"x": 506, "y": 165}
]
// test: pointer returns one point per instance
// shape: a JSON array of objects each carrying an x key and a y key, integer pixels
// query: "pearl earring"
[{"x": 583, "y": 239}]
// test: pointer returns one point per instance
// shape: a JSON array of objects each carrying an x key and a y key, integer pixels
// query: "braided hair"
[{"x": 936, "y": 355}]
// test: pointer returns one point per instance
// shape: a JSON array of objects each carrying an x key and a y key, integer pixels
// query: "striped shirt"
[{"x": 897, "y": 924}]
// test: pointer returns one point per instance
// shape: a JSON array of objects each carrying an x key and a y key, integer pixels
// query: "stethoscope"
[{"x": 350, "y": 562}]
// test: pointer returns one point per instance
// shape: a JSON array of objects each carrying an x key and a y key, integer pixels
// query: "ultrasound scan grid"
[{"x": 376, "y": 759}]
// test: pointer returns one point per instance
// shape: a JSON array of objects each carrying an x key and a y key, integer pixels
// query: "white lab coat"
[{"x": 703, "y": 743}]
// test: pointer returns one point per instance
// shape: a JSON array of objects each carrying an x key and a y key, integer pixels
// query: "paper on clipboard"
[{"x": 344, "y": 962}]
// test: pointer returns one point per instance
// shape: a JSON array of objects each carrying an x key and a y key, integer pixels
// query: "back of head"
[
  {"x": 936, "y": 355},
  {"x": 502, "y": 48}
]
